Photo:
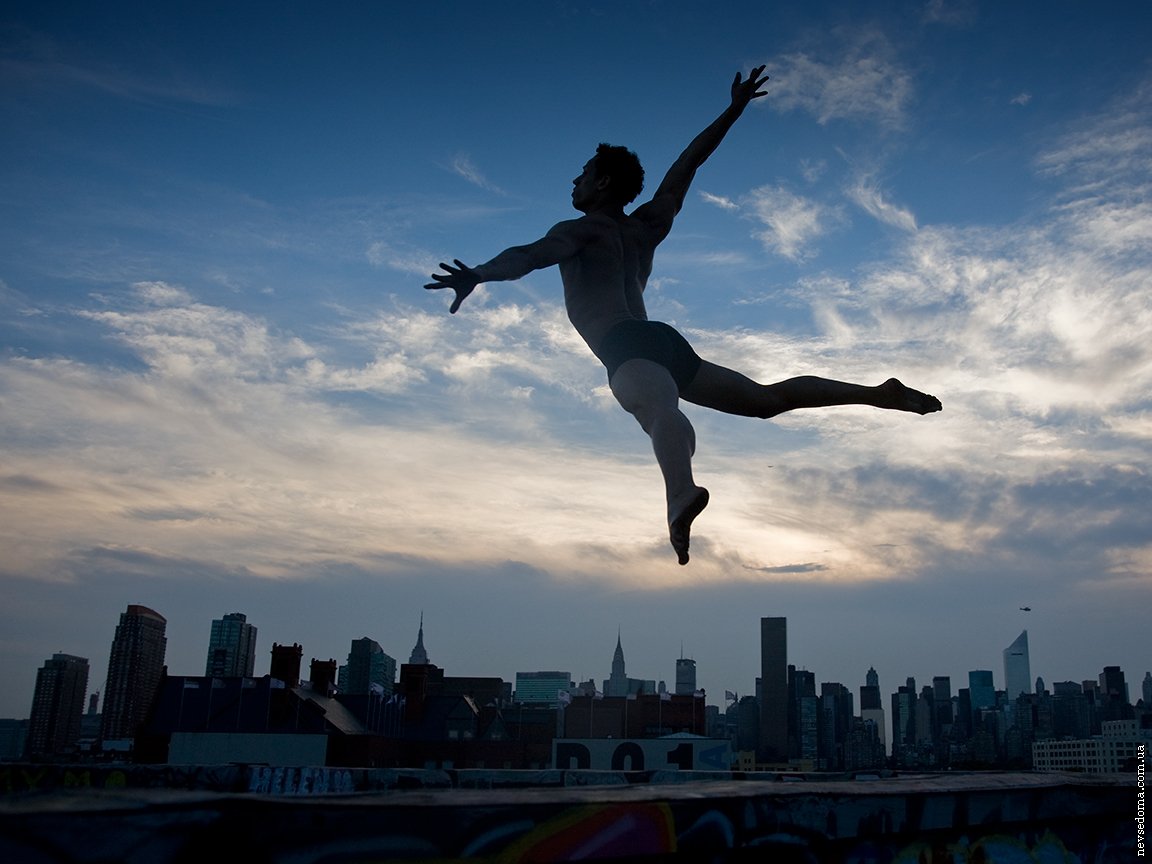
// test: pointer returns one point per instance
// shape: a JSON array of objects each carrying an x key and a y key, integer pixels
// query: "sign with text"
[{"x": 642, "y": 754}]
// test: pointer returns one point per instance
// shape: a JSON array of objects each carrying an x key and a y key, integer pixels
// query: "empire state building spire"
[{"x": 419, "y": 655}]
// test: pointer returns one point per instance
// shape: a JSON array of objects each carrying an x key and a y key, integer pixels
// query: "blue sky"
[{"x": 223, "y": 388}]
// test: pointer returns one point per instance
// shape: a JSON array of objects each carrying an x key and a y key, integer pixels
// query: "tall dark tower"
[
  {"x": 1017, "y": 671},
  {"x": 135, "y": 670},
  {"x": 774, "y": 690},
  {"x": 368, "y": 670},
  {"x": 685, "y": 676},
  {"x": 872, "y": 706},
  {"x": 57, "y": 706},
  {"x": 231, "y": 647},
  {"x": 419, "y": 657},
  {"x": 617, "y": 683}
]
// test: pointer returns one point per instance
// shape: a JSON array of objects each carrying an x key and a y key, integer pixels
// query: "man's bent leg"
[
  {"x": 646, "y": 391},
  {"x": 726, "y": 390}
]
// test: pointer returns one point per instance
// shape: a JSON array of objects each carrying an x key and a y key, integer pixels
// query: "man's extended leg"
[
  {"x": 646, "y": 391},
  {"x": 726, "y": 390}
]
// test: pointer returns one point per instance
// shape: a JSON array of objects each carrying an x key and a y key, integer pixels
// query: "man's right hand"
[
  {"x": 744, "y": 92},
  {"x": 462, "y": 279}
]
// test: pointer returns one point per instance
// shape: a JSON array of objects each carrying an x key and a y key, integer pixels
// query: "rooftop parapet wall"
[{"x": 316, "y": 815}]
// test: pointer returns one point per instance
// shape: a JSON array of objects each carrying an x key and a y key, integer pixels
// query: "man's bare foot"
[
  {"x": 896, "y": 396},
  {"x": 680, "y": 526}
]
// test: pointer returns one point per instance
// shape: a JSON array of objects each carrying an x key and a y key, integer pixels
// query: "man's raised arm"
[
  {"x": 669, "y": 197},
  {"x": 561, "y": 242}
]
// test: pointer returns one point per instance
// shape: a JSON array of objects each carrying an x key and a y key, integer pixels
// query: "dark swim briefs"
[{"x": 650, "y": 340}]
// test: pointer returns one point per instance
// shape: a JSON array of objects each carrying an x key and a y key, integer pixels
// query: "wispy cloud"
[
  {"x": 1114, "y": 144},
  {"x": 862, "y": 83},
  {"x": 865, "y": 192},
  {"x": 792, "y": 223},
  {"x": 463, "y": 165},
  {"x": 719, "y": 201},
  {"x": 119, "y": 83}
]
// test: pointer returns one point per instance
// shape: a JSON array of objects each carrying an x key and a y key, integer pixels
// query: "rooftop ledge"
[{"x": 305, "y": 815}]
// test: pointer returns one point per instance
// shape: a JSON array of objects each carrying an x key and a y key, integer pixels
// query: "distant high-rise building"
[
  {"x": 1071, "y": 710},
  {"x": 904, "y": 716},
  {"x": 1112, "y": 684},
  {"x": 1017, "y": 671},
  {"x": 1146, "y": 688},
  {"x": 774, "y": 689},
  {"x": 419, "y": 657},
  {"x": 231, "y": 648},
  {"x": 617, "y": 682},
  {"x": 943, "y": 717},
  {"x": 835, "y": 721},
  {"x": 57, "y": 706},
  {"x": 1113, "y": 700},
  {"x": 685, "y": 677},
  {"x": 368, "y": 669},
  {"x": 542, "y": 688},
  {"x": 135, "y": 670},
  {"x": 803, "y": 716},
  {"x": 872, "y": 706},
  {"x": 981, "y": 690}
]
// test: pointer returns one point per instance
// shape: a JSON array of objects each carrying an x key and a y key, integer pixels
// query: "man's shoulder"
[
  {"x": 587, "y": 227},
  {"x": 657, "y": 214}
]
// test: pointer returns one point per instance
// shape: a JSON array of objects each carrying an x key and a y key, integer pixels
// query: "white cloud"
[
  {"x": 406, "y": 260},
  {"x": 463, "y": 165},
  {"x": 719, "y": 201},
  {"x": 1113, "y": 145},
  {"x": 792, "y": 222},
  {"x": 866, "y": 194},
  {"x": 862, "y": 84}
]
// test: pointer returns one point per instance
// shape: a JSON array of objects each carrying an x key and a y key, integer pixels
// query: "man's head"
[{"x": 614, "y": 174}]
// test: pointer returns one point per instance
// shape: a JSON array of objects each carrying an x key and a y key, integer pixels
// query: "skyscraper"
[
  {"x": 774, "y": 689},
  {"x": 872, "y": 706},
  {"x": 231, "y": 648},
  {"x": 135, "y": 669},
  {"x": 685, "y": 676},
  {"x": 981, "y": 690},
  {"x": 904, "y": 716},
  {"x": 803, "y": 716},
  {"x": 57, "y": 706},
  {"x": 617, "y": 682},
  {"x": 1113, "y": 700},
  {"x": 943, "y": 717},
  {"x": 419, "y": 657},
  {"x": 542, "y": 688},
  {"x": 1017, "y": 671},
  {"x": 368, "y": 669}
]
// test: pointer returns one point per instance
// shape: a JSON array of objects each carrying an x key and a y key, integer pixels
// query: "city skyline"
[
  {"x": 223, "y": 386},
  {"x": 617, "y": 664}
]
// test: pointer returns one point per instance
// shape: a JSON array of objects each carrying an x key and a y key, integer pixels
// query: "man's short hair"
[{"x": 623, "y": 166}]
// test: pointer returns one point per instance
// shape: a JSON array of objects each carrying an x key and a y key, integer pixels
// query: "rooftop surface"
[{"x": 325, "y": 815}]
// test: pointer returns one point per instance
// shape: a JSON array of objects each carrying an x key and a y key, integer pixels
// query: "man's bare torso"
[{"x": 604, "y": 281}]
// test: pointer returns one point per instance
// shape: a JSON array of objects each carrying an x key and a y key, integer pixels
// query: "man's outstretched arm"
[
  {"x": 669, "y": 197},
  {"x": 560, "y": 243}
]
